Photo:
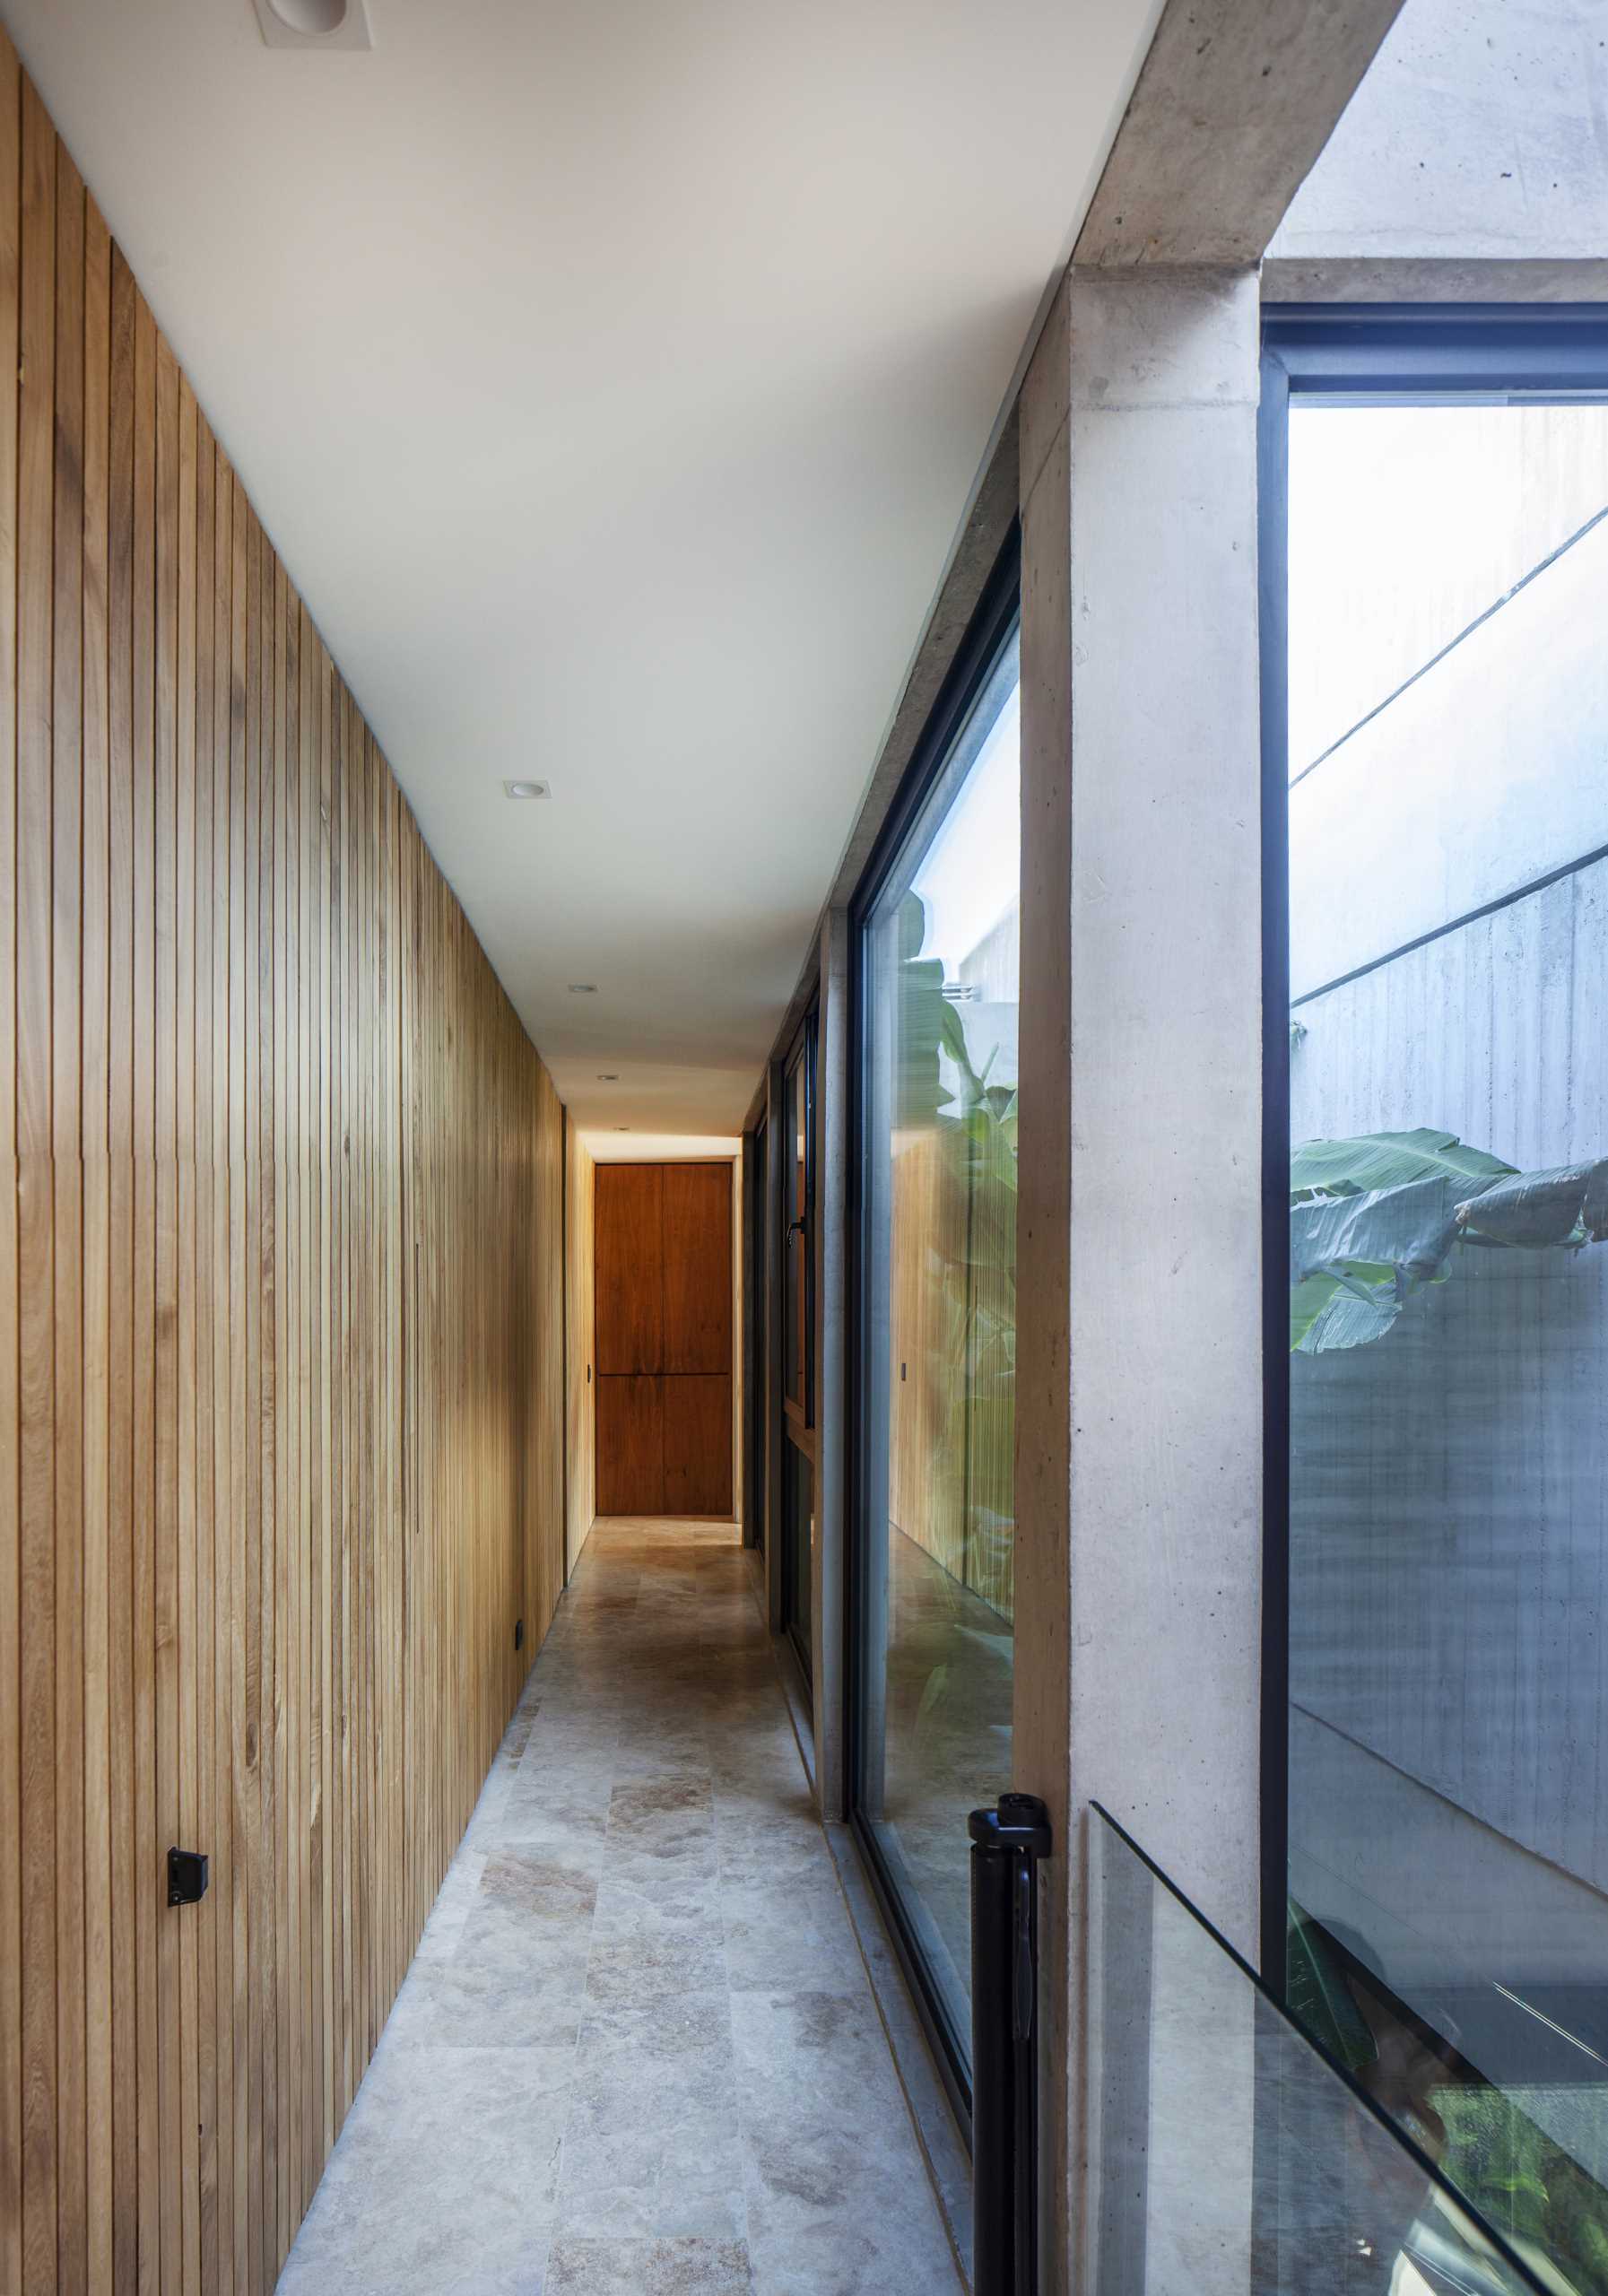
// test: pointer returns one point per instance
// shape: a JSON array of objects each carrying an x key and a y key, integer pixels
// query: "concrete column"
[{"x": 1139, "y": 1317}]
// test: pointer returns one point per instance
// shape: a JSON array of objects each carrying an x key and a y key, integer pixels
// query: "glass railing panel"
[{"x": 1228, "y": 2155}]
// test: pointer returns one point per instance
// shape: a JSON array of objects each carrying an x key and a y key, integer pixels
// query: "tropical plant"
[
  {"x": 1484, "y": 2140},
  {"x": 1373, "y": 1220},
  {"x": 970, "y": 1121}
]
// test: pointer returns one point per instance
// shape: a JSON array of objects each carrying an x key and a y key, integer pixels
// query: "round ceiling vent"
[
  {"x": 311, "y": 18},
  {"x": 330, "y": 25}
]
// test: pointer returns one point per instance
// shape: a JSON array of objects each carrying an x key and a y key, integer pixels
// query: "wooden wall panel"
[
  {"x": 629, "y": 1245},
  {"x": 282, "y": 1321},
  {"x": 697, "y": 1261},
  {"x": 547, "y": 1407},
  {"x": 580, "y": 1457},
  {"x": 951, "y": 1467},
  {"x": 926, "y": 1455},
  {"x": 11, "y": 1751}
]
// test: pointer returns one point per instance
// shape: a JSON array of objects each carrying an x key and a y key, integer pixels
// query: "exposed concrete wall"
[
  {"x": 1139, "y": 1413},
  {"x": 1040, "y": 1738},
  {"x": 1483, "y": 775},
  {"x": 1474, "y": 502},
  {"x": 1480, "y": 133}
]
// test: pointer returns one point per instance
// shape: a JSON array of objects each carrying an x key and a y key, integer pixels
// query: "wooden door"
[
  {"x": 629, "y": 1253},
  {"x": 698, "y": 1269},
  {"x": 630, "y": 1444},
  {"x": 697, "y": 1430},
  {"x": 665, "y": 1330}
]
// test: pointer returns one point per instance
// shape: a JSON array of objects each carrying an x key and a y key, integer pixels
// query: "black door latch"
[{"x": 186, "y": 1876}]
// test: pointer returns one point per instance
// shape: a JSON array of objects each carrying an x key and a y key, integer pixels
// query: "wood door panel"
[
  {"x": 697, "y": 1420},
  {"x": 630, "y": 1445},
  {"x": 629, "y": 1259},
  {"x": 698, "y": 1268}
]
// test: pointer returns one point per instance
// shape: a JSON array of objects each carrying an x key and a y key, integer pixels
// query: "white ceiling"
[{"x": 610, "y": 375}]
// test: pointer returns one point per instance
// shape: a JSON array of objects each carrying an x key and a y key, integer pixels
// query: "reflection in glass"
[
  {"x": 797, "y": 1173},
  {"x": 1448, "y": 1786},
  {"x": 941, "y": 959},
  {"x": 798, "y": 1511},
  {"x": 1227, "y": 2157}
]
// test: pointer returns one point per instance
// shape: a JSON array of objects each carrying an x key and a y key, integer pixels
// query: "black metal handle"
[
  {"x": 1006, "y": 1845},
  {"x": 796, "y": 1227}
]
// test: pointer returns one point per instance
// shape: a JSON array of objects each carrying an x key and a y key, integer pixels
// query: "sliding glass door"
[
  {"x": 798, "y": 1341},
  {"x": 936, "y": 953},
  {"x": 1438, "y": 499}
]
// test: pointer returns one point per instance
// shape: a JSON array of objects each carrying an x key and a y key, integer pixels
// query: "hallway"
[{"x": 636, "y": 2050}]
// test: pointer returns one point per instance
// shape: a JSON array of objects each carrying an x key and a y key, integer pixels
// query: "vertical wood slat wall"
[
  {"x": 579, "y": 1281},
  {"x": 281, "y": 1321}
]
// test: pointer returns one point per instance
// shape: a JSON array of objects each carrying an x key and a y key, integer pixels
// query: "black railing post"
[{"x": 1006, "y": 1845}]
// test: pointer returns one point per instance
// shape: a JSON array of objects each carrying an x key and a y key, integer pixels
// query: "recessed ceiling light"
[
  {"x": 622, "y": 1127},
  {"x": 314, "y": 23},
  {"x": 528, "y": 789},
  {"x": 583, "y": 988},
  {"x": 608, "y": 1075}
]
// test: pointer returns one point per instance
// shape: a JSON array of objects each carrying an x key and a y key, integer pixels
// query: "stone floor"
[{"x": 636, "y": 2050}]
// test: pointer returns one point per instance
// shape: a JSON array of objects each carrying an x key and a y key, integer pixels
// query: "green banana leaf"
[
  {"x": 1331, "y": 1311},
  {"x": 1373, "y": 1220},
  {"x": 1355, "y": 1259},
  {"x": 1568, "y": 1206},
  {"x": 1390, "y": 1230},
  {"x": 1316, "y": 1994},
  {"x": 1385, "y": 1159}
]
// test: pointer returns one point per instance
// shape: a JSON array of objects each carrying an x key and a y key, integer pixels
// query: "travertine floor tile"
[{"x": 637, "y": 2054}]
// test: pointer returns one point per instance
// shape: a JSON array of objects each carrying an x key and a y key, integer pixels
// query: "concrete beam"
[
  {"x": 1435, "y": 279},
  {"x": 1139, "y": 1404},
  {"x": 1234, "y": 102}
]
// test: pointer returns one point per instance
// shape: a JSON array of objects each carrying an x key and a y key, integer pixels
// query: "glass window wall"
[
  {"x": 796, "y": 1434},
  {"x": 1448, "y": 1205},
  {"x": 798, "y": 1172},
  {"x": 939, "y": 943}
]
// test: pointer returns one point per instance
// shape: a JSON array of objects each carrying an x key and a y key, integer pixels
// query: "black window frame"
[
  {"x": 1497, "y": 354},
  {"x": 801, "y": 1056},
  {"x": 993, "y": 625}
]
